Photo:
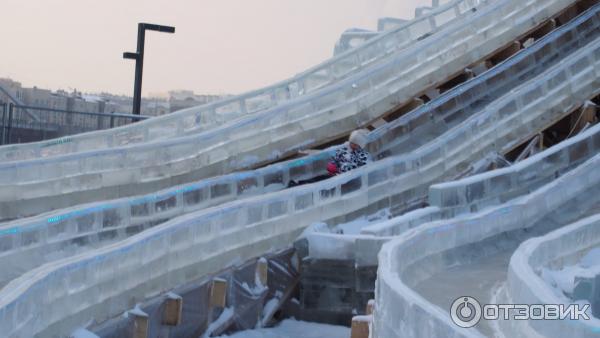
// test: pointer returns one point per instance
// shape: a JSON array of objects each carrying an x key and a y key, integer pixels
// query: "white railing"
[
  {"x": 209, "y": 116},
  {"x": 277, "y": 132},
  {"x": 57, "y": 297}
]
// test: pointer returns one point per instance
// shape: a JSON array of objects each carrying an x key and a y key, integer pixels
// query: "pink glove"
[{"x": 332, "y": 168}]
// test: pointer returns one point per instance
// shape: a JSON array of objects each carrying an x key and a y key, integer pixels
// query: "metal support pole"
[
  {"x": 9, "y": 126},
  {"x": 139, "y": 60},
  {"x": 139, "y": 69},
  {"x": 4, "y": 109},
  {"x": 112, "y": 122}
]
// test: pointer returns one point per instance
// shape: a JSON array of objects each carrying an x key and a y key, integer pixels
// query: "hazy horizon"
[{"x": 220, "y": 46}]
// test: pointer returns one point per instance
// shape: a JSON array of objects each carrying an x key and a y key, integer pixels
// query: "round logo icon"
[{"x": 466, "y": 312}]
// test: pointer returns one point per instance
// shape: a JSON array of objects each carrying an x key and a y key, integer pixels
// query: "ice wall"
[
  {"x": 101, "y": 283},
  {"x": 526, "y": 286},
  {"x": 91, "y": 225},
  {"x": 74, "y": 229},
  {"x": 266, "y": 136},
  {"x": 29, "y": 242},
  {"x": 54, "y": 235},
  {"x": 478, "y": 192},
  {"x": 526, "y": 176},
  {"x": 400, "y": 311},
  {"x": 209, "y": 116}
]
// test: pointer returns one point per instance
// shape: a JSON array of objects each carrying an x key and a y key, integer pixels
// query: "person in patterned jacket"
[{"x": 352, "y": 155}]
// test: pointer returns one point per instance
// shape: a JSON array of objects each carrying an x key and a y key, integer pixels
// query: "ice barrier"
[
  {"x": 359, "y": 249},
  {"x": 461, "y": 197},
  {"x": 28, "y": 243},
  {"x": 353, "y": 38},
  {"x": 525, "y": 286},
  {"x": 477, "y": 192},
  {"x": 401, "y": 312},
  {"x": 451, "y": 108},
  {"x": 67, "y": 231},
  {"x": 258, "y": 139},
  {"x": 102, "y": 283},
  {"x": 209, "y": 116}
]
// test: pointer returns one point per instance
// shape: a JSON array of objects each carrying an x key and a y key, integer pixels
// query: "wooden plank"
[
  {"x": 360, "y": 326},
  {"x": 455, "y": 81},
  {"x": 567, "y": 14},
  {"x": 173, "y": 310},
  {"x": 512, "y": 49},
  {"x": 218, "y": 293},
  {"x": 541, "y": 31},
  {"x": 262, "y": 272},
  {"x": 408, "y": 107},
  {"x": 140, "y": 324}
]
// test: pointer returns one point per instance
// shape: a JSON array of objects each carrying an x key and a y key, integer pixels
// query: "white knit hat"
[{"x": 359, "y": 137}]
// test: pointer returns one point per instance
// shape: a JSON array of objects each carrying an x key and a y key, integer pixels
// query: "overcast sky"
[{"x": 221, "y": 46}]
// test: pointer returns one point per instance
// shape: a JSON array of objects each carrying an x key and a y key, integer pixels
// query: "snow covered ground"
[{"x": 296, "y": 329}]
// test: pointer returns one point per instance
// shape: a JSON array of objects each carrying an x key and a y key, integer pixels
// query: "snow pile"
[
  {"x": 295, "y": 329},
  {"x": 354, "y": 227},
  {"x": 563, "y": 280},
  {"x": 350, "y": 228},
  {"x": 338, "y": 242},
  {"x": 225, "y": 316},
  {"x": 83, "y": 333}
]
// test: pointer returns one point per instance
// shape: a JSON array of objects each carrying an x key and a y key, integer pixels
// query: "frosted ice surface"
[
  {"x": 224, "y": 317},
  {"x": 564, "y": 279},
  {"x": 592, "y": 258},
  {"x": 354, "y": 227},
  {"x": 295, "y": 329},
  {"x": 137, "y": 311},
  {"x": 83, "y": 333}
]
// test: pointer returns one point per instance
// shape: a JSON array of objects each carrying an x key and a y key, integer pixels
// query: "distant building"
[
  {"x": 44, "y": 98},
  {"x": 181, "y": 99},
  {"x": 155, "y": 107},
  {"x": 11, "y": 91}
]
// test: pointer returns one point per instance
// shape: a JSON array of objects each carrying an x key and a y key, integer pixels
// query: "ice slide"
[
  {"x": 202, "y": 118},
  {"x": 452, "y": 199},
  {"x": 30, "y": 187},
  {"x": 557, "y": 250},
  {"x": 473, "y": 252},
  {"x": 93, "y": 284},
  {"x": 354, "y": 37},
  {"x": 63, "y": 233}
]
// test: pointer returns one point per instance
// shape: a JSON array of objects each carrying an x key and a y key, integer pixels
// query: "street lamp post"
[{"x": 139, "y": 60}]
